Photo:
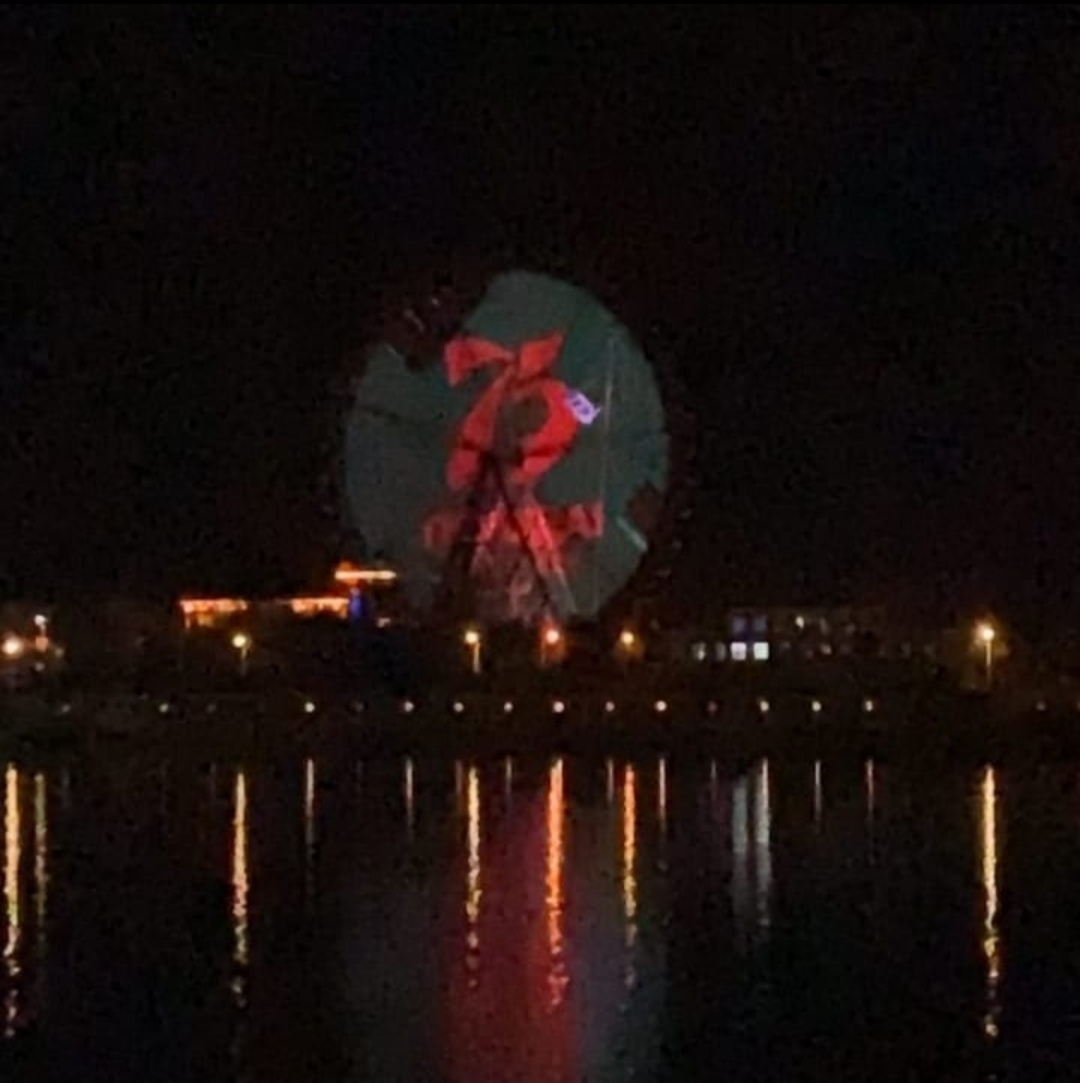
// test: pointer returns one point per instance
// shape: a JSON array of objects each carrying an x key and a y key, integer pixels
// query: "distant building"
[
  {"x": 748, "y": 634},
  {"x": 358, "y": 594}
]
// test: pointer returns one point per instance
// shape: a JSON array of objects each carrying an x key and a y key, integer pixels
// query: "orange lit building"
[{"x": 352, "y": 587}]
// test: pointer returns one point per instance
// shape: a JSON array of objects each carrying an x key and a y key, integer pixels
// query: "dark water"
[{"x": 321, "y": 918}]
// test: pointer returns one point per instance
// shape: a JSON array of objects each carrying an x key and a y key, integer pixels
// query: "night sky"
[{"x": 851, "y": 232}]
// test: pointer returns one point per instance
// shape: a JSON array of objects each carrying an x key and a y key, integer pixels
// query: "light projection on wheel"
[{"x": 508, "y": 457}]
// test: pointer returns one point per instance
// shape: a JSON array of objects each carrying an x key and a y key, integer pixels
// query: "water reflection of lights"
[
  {"x": 508, "y": 779},
  {"x": 240, "y": 886},
  {"x": 12, "y": 861},
  {"x": 871, "y": 802},
  {"x": 661, "y": 792},
  {"x": 556, "y": 812},
  {"x": 818, "y": 795},
  {"x": 991, "y": 939},
  {"x": 740, "y": 854},
  {"x": 407, "y": 789},
  {"x": 472, "y": 880},
  {"x": 629, "y": 871},
  {"x": 309, "y": 825},
  {"x": 763, "y": 846},
  {"x": 41, "y": 858},
  {"x": 609, "y": 790}
]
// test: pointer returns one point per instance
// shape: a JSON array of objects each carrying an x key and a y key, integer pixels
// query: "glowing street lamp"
[
  {"x": 473, "y": 640},
  {"x": 13, "y": 647},
  {"x": 241, "y": 642},
  {"x": 628, "y": 645},
  {"x": 551, "y": 640},
  {"x": 985, "y": 635}
]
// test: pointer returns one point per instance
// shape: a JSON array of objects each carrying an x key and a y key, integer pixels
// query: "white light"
[
  {"x": 408, "y": 706},
  {"x": 761, "y": 652},
  {"x": 458, "y": 706},
  {"x": 65, "y": 708},
  {"x": 661, "y": 706},
  {"x": 868, "y": 706},
  {"x": 241, "y": 641},
  {"x": 164, "y": 708},
  {"x": 699, "y": 652},
  {"x": 1041, "y": 705},
  {"x": 309, "y": 707},
  {"x": 558, "y": 706},
  {"x": 508, "y": 707},
  {"x": 800, "y": 622},
  {"x": 13, "y": 646},
  {"x": 609, "y": 707},
  {"x": 712, "y": 707},
  {"x": 815, "y": 706},
  {"x": 738, "y": 652},
  {"x": 763, "y": 706}
]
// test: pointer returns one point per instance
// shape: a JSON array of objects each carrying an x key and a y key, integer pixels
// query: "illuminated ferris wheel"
[{"x": 508, "y": 455}]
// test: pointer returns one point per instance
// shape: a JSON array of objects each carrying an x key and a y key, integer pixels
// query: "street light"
[
  {"x": 473, "y": 640},
  {"x": 551, "y": 639},
  {"x": 628, "y": 645},
  {"x": 13, "y": 646},
  {"x": 986, "y": 634},
  {"x": 241, "y": 642}
]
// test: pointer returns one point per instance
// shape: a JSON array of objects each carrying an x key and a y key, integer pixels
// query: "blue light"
[{"x": 357, "y": 606}]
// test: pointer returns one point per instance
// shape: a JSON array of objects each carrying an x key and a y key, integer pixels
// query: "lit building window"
[
  {"x": 720, "y": 651},
  {"x": 761, "y": 652},
  {"x": 738, "y": 652},
  {"x": 699, "y": 652}
]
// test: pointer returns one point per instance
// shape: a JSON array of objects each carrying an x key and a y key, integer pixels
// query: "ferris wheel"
[{"x": 508, "y": 454}]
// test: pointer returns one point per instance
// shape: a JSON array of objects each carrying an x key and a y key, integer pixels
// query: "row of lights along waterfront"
[{"x": 552, "y": 647}]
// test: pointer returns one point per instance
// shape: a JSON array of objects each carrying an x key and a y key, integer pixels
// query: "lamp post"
[
  {"x": 13, "y": 647},
  {"x": 241, "y": 642},
  {"x": 986, "y": 634},
  {"x": 473, "y": 640},
  {"x": 550, "y": 641}
]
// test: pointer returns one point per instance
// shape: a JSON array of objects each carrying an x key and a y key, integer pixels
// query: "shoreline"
[{"x": 737, "y": 723}]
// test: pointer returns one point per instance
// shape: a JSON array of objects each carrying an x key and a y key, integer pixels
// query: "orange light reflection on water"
[
  {"x": 556, "y": 809},
  {"x": 991, "y": 939},
  {"x": 629, "y": 871},
  {"x": 240, "y": 885},
  {"x": 473, "y": 891},
  {"x": 12, "y": 862}
]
